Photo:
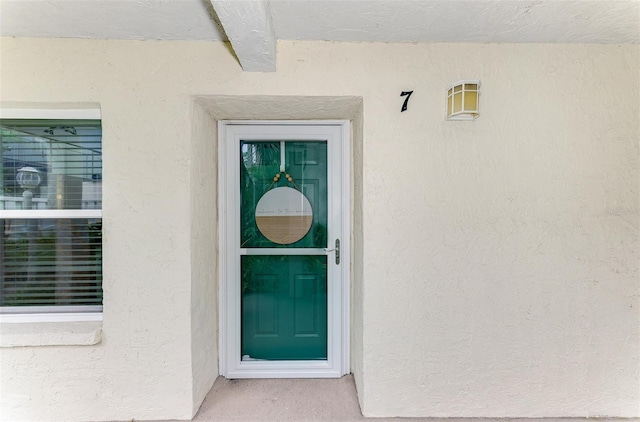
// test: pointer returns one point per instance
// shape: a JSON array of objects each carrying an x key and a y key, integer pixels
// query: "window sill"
[{"x": 27, "y": 332}]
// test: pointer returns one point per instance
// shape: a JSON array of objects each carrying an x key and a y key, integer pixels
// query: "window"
[{"x": 50, "y": 215}]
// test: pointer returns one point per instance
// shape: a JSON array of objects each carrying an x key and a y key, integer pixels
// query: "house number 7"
[{"x": 406, "y": 101}]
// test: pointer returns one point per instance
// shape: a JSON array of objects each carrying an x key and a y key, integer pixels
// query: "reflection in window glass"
[
  {"x": 50, "y": 260},
  {"x": 62, "y": 160}
]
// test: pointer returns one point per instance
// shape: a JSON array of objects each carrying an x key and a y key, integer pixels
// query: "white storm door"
[{"x": 284, "y": 250}]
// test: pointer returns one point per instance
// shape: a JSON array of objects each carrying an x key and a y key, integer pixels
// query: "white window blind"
[{"x": 50, "y": 215}]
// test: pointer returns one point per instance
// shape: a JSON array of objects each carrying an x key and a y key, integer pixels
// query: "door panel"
[{"x": 284, "y": 307}]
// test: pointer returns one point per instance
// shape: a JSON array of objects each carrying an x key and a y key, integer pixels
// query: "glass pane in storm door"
[
  {"x": 284, "y": 307},
  {"x": 306, "y": 164},
  {"x": 284, "y": 291}
]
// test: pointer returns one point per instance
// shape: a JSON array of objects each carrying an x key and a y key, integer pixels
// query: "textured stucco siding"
[
  {"x": 498, "y": 259},
  {"x": 204, "y": 255}
]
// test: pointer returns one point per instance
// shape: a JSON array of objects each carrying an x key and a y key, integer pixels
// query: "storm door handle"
[{"x": 336, "y": 250}]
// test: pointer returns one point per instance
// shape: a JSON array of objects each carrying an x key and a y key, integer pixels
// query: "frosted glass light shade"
[
  {"x": 28, "y": 177},
  {"x": 463, "y": 100}
]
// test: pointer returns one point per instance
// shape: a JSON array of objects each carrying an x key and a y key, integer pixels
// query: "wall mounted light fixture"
[{"x": 463, "y": 100}]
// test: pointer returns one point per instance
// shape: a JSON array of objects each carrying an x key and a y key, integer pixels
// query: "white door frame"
[{"x": 337, "y": 133}]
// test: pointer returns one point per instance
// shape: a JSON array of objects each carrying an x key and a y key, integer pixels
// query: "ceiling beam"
[{"x": 248, "y": 27}]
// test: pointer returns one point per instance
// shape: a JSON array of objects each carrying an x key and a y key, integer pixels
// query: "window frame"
[{"x": 26, "y": 314}]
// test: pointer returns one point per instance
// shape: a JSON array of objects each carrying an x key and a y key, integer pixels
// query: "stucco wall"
[
  {"x": 500, "y": 257},
  {"x": 204, "y": 254},
  {"x": 357, "y": 258}
]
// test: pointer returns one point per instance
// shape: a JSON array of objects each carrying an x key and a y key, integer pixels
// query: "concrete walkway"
[
  {"x": 281, "y": 400},
  {"x": 303, "y": 400}
]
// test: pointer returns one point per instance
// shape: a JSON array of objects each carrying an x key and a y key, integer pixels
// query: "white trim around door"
[{"x": 337, "y": 136}]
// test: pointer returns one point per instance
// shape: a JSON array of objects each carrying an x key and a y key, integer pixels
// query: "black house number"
[{"x": 406, "y": 100}]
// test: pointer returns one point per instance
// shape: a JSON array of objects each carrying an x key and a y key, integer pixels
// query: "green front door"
[{"x": 283, "y": 195}]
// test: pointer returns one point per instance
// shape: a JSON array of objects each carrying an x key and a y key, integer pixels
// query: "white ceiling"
[
  {"x": 254, "y": 26},
  {"x": 459, "y": 21}
]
